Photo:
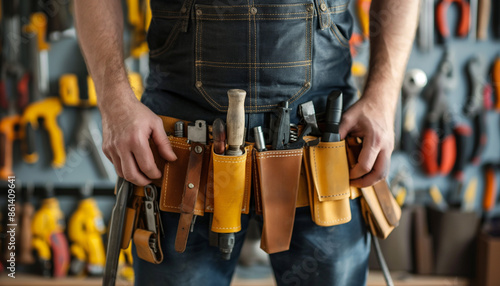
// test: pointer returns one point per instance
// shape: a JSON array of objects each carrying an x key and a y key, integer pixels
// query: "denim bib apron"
[{"x": 294, "y": 50}]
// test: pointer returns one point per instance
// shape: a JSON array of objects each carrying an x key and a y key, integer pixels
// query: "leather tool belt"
[{"x": 201, "y": 182}]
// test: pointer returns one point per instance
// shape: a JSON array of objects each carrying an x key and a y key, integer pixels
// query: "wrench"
[{"x": 414, "y": 82}]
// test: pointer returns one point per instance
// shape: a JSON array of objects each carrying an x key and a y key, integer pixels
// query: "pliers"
[
  {"x": 464, "y": 18},
  {"x": 475, "y": 109},
  {"x": 438, "y": 147}
]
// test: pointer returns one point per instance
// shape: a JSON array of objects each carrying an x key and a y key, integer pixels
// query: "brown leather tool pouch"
[
  {"x": 278, "y": 175},
  {"x": 380, "y": 210},
  {"x": 174, "y": 178},
  {"x": 328, "y": 181},
  {"x": 231, "y": 181},
  {"x": 142, "y": 240}
]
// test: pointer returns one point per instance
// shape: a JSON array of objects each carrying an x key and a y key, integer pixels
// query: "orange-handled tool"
[
  {"x": 495, "y": 76},
  {"x": 363, "y": 12},
  {"x": 490, "y": 188},
  {"x": 7, "y": 137},
  {"x": 464, "y": 17},
  {"x": 438, "y": 155}
]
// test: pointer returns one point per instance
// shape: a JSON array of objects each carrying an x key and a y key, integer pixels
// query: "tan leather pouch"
[
  {"x": 279, "y": 174},
  {"x": 328, "y": 181},
  {"x": 380, "y": 209},
  {"x": 209, "y": 200},
  {"x": 174, "y": 176},
  {"x": 231, "y": 177},
  {"x": 144, "y": 251}
]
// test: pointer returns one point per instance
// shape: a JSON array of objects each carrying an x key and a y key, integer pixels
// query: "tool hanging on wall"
[
  {"x": 14, "y": 88},
  {"x": 496, "y": 19},
  {"x": 363, "y": 13},
  {"x": 87, "y": 135},
  {"x": 139, "y": 17},
  {"x": 464, "y": 21},
  {"x": 402, "y": 187},
  {"x": 414, "y": 82},
  {"x": 438, "y": 147},
  {"x": 474, "y": 108},
  {"x": 28, "y": 210},
  {"x": 425, "y": 38},
  {"x": 44, "y": 107},
  {"x": 59, "y": 17},
  {"x": 490, "y": 188},
  {"x": 85, "y": 230},
  {"x": 483, "y": 19},
  {"x": 495, "y": 78},
  {"x": 49, "y": 242}
]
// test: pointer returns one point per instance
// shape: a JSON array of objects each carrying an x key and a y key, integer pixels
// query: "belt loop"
[
  {"x": 324, "y": 14},
  {"x": 186, "y": 12}
]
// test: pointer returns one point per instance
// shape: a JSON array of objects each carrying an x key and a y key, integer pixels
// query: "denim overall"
[{"x": 288, "y": 50}]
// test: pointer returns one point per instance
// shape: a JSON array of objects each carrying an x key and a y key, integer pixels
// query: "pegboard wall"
[{"x": 65, "y": 57}]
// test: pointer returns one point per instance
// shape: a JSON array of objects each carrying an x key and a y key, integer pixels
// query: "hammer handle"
[{"x": 235, "y": 121}]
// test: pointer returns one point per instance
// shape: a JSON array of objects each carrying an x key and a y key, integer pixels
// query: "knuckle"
[
  {"x": 149, "y": 168},
  {"x": 364, "y": 167}
]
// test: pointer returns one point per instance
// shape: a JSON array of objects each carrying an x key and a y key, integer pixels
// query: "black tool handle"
[
  {"x": 480, "y": 138},
  {"x": 281, "y": 127},
  {"x": 30, "y": 149},
  {"x": 333, "y": 116},
  {"x": 462, "y": 136}
]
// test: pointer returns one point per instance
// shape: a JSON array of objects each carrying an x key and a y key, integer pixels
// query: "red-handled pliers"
[
  {"x": 439, "y": 149},
  {"x": 463, "y": 26}
]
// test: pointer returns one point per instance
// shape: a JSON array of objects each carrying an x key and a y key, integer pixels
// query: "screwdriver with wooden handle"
[
  {"x": 235, "y": 133},
  {"x": 483, "y": 19}
]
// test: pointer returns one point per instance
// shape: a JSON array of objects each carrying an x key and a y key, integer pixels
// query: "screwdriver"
[
  {"x": 490, "y": 188},
  {"x": 495, "y": 76}
]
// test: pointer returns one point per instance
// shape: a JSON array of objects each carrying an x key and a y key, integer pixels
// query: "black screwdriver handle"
[{"x": 333, "y": 115}]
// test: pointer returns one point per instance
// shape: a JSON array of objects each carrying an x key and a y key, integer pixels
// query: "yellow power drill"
[
  {"x": 49, "y": 243},
  {"x": 85, "y": 231},
  {"x": 44, "y": 108}
]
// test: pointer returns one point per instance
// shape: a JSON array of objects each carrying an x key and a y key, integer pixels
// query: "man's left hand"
[{"x": 370, "y": 120}]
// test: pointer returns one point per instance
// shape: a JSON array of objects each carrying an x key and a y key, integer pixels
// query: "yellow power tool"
[
  {"x": 49, "y": 243},
  {"x": 85, "y": 231}
]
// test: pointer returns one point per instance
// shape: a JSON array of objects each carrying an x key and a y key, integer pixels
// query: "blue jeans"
[
  {"x": 294, "y": 50},
  {"x": 336, "y": 255}
]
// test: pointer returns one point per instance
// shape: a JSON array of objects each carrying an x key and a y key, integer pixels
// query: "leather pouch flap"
[
  {"x": 279, "y": 174},
  {"x": 230, "y": 179},
  {"x": 174, "y": 176},
  {"x": 144, "y": 251},
  {"x": 326, "y": 212},
  {"x": 379, "y": 224},
  {"x": 329, "y": 170}
]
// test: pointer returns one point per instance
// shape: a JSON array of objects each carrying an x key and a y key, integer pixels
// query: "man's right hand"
[{"x": 127, "y": 126}]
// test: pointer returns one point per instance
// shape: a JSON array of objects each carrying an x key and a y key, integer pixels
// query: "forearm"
[
  {"x": 393, "y": 25},
  {"x": 100, "y": 31}
]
